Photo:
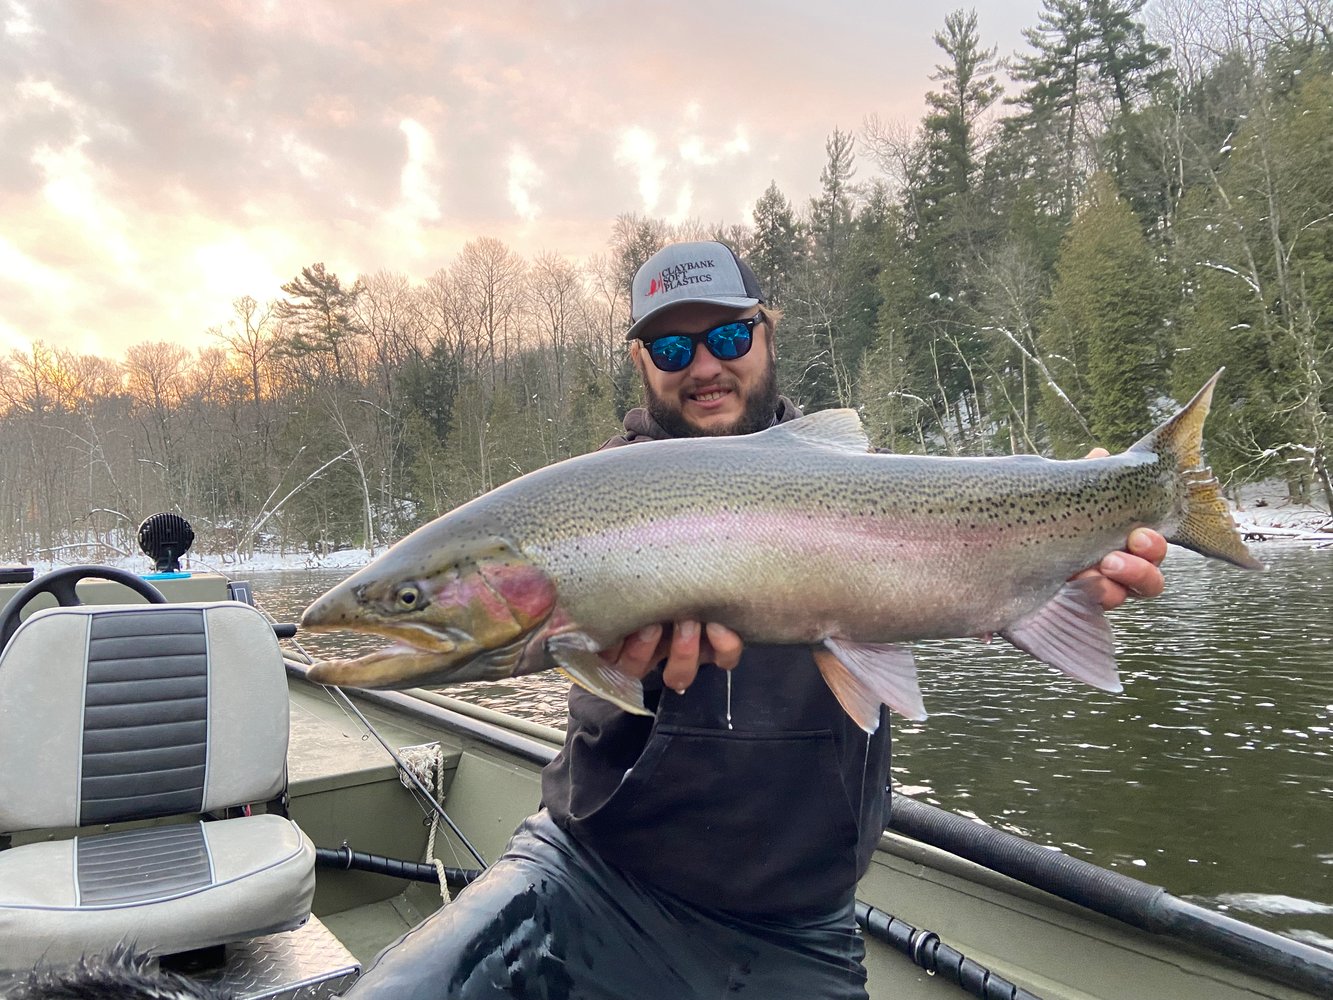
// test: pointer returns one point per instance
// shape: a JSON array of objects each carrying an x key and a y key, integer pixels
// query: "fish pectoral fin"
[
  {"x": 863, "y": 676},
  {"x": 1071, "y": 633},
  {"x": 581, "y": 664}
]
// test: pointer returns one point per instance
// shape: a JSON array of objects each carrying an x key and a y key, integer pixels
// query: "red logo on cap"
[{"x": 654, "y": 287}]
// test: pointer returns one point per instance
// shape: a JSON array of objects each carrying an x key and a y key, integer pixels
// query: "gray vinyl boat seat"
[{"x": 173, "y": 719}]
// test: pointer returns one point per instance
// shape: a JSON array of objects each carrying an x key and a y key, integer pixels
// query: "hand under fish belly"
[{"x": 794, "y": 534}]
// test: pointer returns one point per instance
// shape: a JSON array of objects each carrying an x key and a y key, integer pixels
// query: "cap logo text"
[{"x": 680, "y": 275}]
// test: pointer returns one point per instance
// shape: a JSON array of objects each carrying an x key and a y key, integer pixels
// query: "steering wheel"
[{"x": 60, "y": 584}]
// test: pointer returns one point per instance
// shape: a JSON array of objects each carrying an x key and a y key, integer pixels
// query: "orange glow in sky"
[{"x": 160, "y": 159}]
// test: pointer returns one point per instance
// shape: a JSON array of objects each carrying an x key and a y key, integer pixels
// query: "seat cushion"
[
  {"x": 161, "y": 889},
  {"x": 124, "y": 712}
]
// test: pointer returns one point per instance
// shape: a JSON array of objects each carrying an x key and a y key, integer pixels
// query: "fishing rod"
[
  {"x": 341, "y": 696},
  {"x": 286, "y": 631}
]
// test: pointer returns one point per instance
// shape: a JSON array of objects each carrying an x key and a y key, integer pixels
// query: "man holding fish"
[{"x": 715, "y": 803}]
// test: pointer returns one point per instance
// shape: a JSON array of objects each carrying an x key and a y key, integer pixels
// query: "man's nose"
[{"x": 703, "y": 365}]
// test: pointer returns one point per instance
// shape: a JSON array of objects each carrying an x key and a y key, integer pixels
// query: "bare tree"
[{"x": 487, "y": 277}]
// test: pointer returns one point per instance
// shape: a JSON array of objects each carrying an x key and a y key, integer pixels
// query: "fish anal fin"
[
  {"x": 1071, "y": 633},
  {"x": 863, "y": 676},
  {"x": 579, "y": 662}
]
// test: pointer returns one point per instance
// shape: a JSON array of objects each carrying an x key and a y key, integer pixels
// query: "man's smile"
[{"x": 710, "y": 395}]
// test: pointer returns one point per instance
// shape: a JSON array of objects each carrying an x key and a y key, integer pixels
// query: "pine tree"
[
  {"x": 812, "y": 366},
  {"x": 776, "y": 246},
  {"x": 927, "y": 290},
  {"x": 951, "y": 127},
  {"x": 1256, "y": 249},
  {"x": 1058, "y": 74},
  {"x": 1102, "y": 332},
  {"x": 1126, "y": 61},
  {"x": 318, "y": 316},
  {"x": 831, "y": 212},
  {"x": 1091, "y": 64}
]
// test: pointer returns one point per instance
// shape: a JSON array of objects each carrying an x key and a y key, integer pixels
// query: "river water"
[{"x": 1211, "y": 775}]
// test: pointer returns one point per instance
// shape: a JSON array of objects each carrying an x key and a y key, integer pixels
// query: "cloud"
[
  {"x": 12, "y": 340},
  {"x": 162, "y": 159},
  {"x": 524, "y": 175},
  {"x": 72, "y": 187},
  {"x": 20, "y": 269},
  {"x": 420, "y": 193},
  {"x": 45, "y": 92},
  {"x": 233, "y": 262},
  {"x": 638, "y": 150},
  {"x": 684, "y": 205},
  {"x": 19, "y": 22},
  {"x": 695, "y": 150},
  {"x": 308, "y": 161}
]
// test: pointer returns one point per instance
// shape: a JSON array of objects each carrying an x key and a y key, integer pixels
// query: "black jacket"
[{"x": 751, "y": 793}]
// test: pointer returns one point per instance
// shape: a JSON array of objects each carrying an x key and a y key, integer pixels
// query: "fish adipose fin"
[
  {"x": 863, "y": 676},
  {"x": 1205, "y": 524},
  {"x": 1071, "y": 633},
  {"x": 589, "y": 671},
  {"x": 840, "y": 430}
]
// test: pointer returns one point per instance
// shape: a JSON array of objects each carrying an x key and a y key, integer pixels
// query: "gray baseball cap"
[{"x": 691, "y": 272}]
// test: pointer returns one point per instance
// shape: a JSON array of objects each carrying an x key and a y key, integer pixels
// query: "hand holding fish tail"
[{"x": 1131, "y": 572}]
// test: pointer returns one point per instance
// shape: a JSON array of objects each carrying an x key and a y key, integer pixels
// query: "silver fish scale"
[
  {"x": 941, "y": 543},
  {"x": 646, "y": 483}
]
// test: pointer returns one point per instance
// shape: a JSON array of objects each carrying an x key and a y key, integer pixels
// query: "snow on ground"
[
  {"x": 1263, "y": 509},
  {"x": 228, "y": 564}
]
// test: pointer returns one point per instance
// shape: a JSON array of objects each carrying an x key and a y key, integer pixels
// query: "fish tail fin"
[{"x": 1205, "y": 523}]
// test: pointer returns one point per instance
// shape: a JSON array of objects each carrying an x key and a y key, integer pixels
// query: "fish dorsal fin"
[{"x": 840, "y": 430}]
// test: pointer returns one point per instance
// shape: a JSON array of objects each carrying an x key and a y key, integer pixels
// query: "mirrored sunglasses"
[{"x": 674, "y": 351}]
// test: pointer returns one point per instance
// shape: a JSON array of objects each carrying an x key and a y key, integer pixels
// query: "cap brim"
[{"x": 730, "y": 301}]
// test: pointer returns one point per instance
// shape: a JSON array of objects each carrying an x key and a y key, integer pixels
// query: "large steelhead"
[{"x": 796, "y": 534}]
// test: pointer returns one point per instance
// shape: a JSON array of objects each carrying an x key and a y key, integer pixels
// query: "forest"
[{"x": 1064, "y": 248}]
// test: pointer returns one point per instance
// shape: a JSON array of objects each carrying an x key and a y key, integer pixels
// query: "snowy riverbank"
[{"x": 1263, "y": 512}]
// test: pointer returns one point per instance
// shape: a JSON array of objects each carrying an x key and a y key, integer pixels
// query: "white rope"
[{"x": 427, "y": 763}]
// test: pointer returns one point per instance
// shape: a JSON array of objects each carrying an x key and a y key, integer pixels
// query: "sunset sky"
[{"x": 159, "y": 159}]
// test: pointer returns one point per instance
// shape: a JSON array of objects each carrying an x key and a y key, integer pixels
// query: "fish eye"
[{"x": 408, "y": 597}]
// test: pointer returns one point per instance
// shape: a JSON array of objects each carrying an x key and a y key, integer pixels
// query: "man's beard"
[{"x": 761, "y": 408}]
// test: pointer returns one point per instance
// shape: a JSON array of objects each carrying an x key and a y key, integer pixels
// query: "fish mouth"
[
  {"x": 395, "y": 666},
  {"x": 410, "y": 637},
  {"x": 405, "y": 664}
]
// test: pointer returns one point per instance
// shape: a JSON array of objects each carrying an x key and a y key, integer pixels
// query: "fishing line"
[
  {"x": 341, "y": 695},
  {"x": 340, "y": 698}
]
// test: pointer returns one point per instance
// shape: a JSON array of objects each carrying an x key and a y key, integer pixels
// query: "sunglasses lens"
[
  {"x": 672, "y": 354},
  {"x": 675, "y": 351},
  {"x": 729, "y": 342}
]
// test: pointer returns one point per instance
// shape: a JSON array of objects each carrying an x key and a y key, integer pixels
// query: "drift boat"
[{"x": 170, "y": 779}]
